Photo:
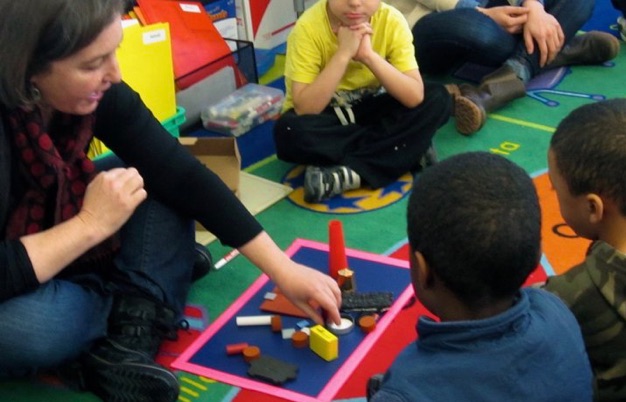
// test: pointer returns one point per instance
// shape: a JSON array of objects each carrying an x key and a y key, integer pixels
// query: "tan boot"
[
  {"x": 593, "y": 47},
  {"x": 468, "y": 115},
  {"x": 496, "y": 90}
]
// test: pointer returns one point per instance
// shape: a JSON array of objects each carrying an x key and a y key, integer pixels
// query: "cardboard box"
[{"x": 221, "y": 155}]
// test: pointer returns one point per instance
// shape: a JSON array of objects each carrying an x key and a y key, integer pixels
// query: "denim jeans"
[
  {"x": 60, "y": 319},
  {"x": 445, "y": 40}
]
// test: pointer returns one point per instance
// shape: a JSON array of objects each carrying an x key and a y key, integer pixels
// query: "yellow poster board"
[{"x": 145, "y": 59}]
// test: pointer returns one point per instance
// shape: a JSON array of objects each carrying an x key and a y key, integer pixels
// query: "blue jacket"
[{"x": 532, "y": 352}]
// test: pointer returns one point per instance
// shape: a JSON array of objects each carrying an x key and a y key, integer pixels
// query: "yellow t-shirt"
[{"x": 312, "y": 43}]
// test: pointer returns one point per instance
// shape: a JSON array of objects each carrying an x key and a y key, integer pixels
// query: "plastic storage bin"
[
  {"x": 243, "y": 109},
  {"x": 172, "y": 125},
  {"x": 97, "y": 149}
]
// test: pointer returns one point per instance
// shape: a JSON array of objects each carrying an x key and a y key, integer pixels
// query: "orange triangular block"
[{"x": 281, "y": 305}]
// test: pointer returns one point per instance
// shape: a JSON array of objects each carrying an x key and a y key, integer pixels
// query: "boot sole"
[
  {"x": 134, "y": 382},
  {"x": 469, "y": 116}
]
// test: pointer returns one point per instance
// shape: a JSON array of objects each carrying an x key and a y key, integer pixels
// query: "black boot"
[
  {"x": 593, "y": 47},
  {"x": 118, "y": 374},
  {"x": 140, "y": 323},
  {"x": 203, "y": 264},
  {"x": 495, "y": 91},
  {"x": 121, "y": 367}
]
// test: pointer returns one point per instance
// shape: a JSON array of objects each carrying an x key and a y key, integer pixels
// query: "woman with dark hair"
[{"x": 96, "y": 258}]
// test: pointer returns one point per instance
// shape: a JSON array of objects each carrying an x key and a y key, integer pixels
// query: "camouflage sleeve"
[{"x": 569, "y": 286}]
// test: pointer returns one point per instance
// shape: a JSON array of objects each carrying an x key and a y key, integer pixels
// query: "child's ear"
[
  {"x": 422, "y": 270},
  {"x": 595, "y": 207}
]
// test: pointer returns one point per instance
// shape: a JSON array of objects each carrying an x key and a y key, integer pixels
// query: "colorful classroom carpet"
[{"x": 521, "y": 132}]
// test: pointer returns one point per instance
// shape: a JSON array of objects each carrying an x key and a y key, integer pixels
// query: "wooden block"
[
  {"x": 276, "y": 323},
  {"x": 248, "y": 320},
  {"x": 251, "y": 353},
  {"x": 367, "y": 323},
  {"x": 272, "y": 370},
  {"x": 299, "y": 339},
  {"x": 236, "y": 348},
  {"x": 324, "y": 343},
  {"x": 281, "y": 305}
]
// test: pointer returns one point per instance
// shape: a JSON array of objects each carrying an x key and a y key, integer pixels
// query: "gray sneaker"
[
  {"x": 621, "y": 24},
  {"x": 429, "y": 158},
  {"x": 322, "y": 183}
]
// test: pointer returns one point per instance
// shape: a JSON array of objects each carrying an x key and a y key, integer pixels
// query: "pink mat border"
[{"x": 342, "y": 374}]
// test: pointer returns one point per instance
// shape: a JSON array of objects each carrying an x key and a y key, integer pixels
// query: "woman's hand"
[
  {"x": 109, "y": 201},
  {"x": 111, "y": 198},
  {"x": 543, "y": 30},
  {"x": 306, "y": 287},
  {"x": 510, "y": 18},
  {"x": 311, "y": 290}
]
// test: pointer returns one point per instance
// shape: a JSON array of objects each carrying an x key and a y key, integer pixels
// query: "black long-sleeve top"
[{"x": 171, "y": 175}]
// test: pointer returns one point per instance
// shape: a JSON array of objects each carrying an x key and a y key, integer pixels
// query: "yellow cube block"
[{"x": 324, "y": 343}]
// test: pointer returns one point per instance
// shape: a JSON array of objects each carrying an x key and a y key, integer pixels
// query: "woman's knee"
[
  {"x": 27, "y": 352},
  {"x": 49, "y": 326},
  {"x": 448, "y": 38}
]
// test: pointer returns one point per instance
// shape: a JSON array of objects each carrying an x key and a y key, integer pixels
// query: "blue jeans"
[
  {"x": 445, "y": 40},
  {"x": 60, "y": 319}
]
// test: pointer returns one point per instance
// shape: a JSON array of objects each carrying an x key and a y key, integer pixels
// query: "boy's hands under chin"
[
  {"x": 351, "y": 38},
  {"x": 365, "y": 47}
]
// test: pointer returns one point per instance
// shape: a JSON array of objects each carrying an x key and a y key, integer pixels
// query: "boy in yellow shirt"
[{"x": 356, "y": 111}]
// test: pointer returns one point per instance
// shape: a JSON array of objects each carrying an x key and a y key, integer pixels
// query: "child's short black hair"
[
  {"x": 589, "y": 147},
  {"x": 475, "y": 218}
]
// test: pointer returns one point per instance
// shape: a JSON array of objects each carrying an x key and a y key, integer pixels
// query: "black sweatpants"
[{"x": 386, "y": 141}]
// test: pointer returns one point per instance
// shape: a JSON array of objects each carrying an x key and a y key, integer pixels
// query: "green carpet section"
[{"x": 521, "y": 132}]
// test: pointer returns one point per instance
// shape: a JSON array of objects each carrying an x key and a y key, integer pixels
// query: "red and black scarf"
[{"x": 56, "y": 168}]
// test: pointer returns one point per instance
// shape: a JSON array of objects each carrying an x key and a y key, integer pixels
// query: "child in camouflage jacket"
[{"x": 586, "y": 164}]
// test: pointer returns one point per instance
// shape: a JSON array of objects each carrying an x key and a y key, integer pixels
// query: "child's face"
[
  {"x": 352, "y": 12},
  {"x": 574, "y": 209}
]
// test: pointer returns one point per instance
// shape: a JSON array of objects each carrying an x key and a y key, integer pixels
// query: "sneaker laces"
[
  {"x": 325, "y": 182},
  {"x": 339, "y": 179}
]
